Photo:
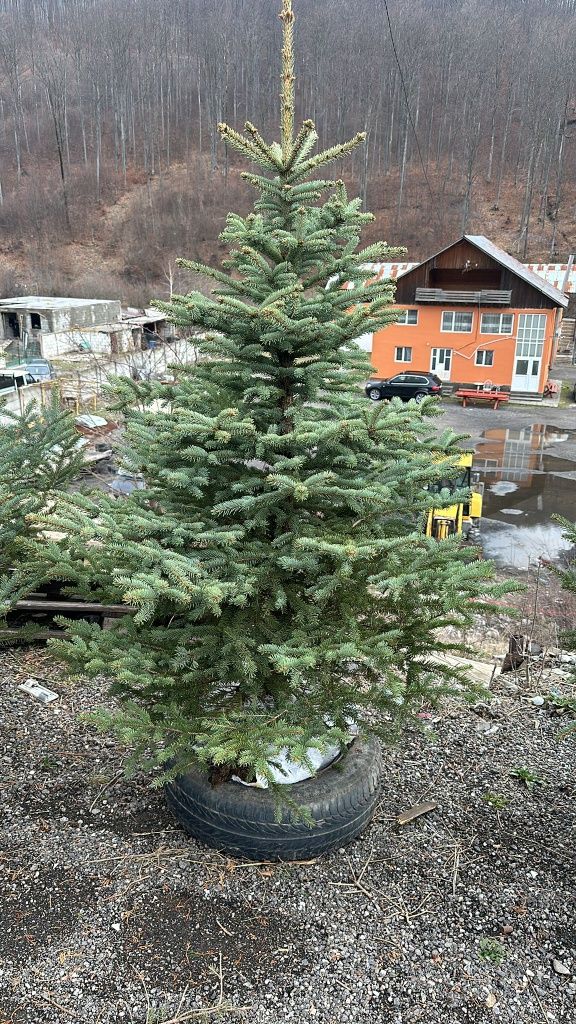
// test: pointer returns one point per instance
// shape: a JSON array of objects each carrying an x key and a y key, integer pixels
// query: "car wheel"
[
  {"x": 375, "y": 394},
  {"x": 419, "y": 396},
  {"x": 245, "y": 822}
]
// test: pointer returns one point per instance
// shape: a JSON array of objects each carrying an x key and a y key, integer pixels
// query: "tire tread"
[{"x": 242, "y": 820}]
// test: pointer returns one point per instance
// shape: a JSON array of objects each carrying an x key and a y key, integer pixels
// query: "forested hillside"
[{"x": 110, "y": 164}]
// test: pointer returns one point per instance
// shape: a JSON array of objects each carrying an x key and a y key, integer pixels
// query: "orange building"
[{"x": 471, "y": 314}]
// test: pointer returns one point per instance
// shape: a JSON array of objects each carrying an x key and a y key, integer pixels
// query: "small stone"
[
  {"x": 116, "y": 926},
  {"x": 560, "y": 968},
  {"x": 507, "y": 929},
  {"x": 538, "y": 701}
]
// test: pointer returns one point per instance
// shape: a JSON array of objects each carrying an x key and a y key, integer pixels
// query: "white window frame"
[
  {"x": 531, "y": 335},
  {"x": 403, "y": 349},
  {"x": 508, "y": 331},
  {"x": 406, "y": 322},
  {"x": 454, "y": 313},
  {"x": 482, "y": 361}
]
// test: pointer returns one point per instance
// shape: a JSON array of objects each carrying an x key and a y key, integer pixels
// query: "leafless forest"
[{"x": 110, "y": 164}]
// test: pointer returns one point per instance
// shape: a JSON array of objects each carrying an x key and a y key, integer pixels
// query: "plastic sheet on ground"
[{"x": 91, "y": 422}]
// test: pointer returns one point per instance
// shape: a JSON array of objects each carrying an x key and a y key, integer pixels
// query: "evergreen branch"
[
  {"x": 244, "y": 146},
  {"x": 266, "y": 151},
  {"x": 305, "y": 140},
  {"x": 334, "y": 153},
  {"x": 257, "y": 260},
  {"x": 216, "y": 275},
  {"x": 271, "y": 186},
  {"x": 287, "y": 81}
]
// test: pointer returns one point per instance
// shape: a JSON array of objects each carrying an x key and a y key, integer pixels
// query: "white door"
[
  {"x": 526, "y": 374},
  {"x": 529, "y": 351},
  {"x": 441, "y": 362}
]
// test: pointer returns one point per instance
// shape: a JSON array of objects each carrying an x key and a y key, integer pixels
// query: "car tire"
[
  {"x": 420, "y": 396},
  {"x": 375, "y": 394},
  {"x": 246, "y": 822}
]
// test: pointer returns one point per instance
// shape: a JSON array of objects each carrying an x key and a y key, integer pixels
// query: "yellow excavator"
[{"x": 463, "y": 518}]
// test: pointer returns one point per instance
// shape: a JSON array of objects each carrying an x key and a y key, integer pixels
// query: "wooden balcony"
[{"x": 486, "y": 297}]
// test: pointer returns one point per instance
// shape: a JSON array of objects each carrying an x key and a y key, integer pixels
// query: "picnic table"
[{"x": 482, "y": 393}]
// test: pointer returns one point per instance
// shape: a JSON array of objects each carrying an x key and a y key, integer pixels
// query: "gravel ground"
[{"x": 110, "y": 913}]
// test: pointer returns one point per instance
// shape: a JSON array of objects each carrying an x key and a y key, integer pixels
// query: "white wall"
[
  {"x": 54, "y": 345},
  {"x": 17, "y": 399},
  {"x": 365, "y": 342}
]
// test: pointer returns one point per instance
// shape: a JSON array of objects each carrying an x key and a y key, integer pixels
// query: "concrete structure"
[
  {"x": 86, "y": 341},
  {"x": 148, "y": 327},
  {"x": 34, "y": 326},
  {"x": 41, "y": 326},
  {"x": 472, "y": 313}
]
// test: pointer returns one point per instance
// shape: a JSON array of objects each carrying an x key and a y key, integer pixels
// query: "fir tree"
[
  {"x": 40, "y": 455},
  {"x": 276, "y": 560}
]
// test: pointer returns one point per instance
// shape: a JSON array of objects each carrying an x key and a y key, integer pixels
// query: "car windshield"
[{"x": 459, "y": 482}]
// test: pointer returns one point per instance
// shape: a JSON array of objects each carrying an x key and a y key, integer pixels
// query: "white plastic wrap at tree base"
[
  {"x": 285, "y": 772},
  {"x": 91, "y": 422}
]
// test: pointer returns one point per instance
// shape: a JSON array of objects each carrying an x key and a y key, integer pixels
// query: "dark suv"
[{"x": 405, "y": 386}]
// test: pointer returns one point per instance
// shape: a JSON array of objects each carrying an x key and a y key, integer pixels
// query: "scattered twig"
[
  {"x": 406, "y": 913},
  {"x": 158, "y": 832},
  {"x": 105, "y": 788},
  {"x": 126, "y": 889},
  {"x": 222, "y": 928},
  {"x": 220, "y": 1006},
  {"x": 457, "y": 851},
  {"x": 337, "y": 981},
  {"x": 161, "y": 851},
  {"x": 64, "y": 1009},
  {"x": 356, "y": 882},
  {"x": 540, "y": 1004}
]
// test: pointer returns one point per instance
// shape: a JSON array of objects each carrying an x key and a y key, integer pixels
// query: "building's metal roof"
[
  {"x": 138, "y": 319},
  {"x": 561, "y": 275},
  {"x": 392, "y": 271},
  {"x": 546, "y": 277},
  {"x": 42, "y": 302},
  {"x": 520, "y": 269}
]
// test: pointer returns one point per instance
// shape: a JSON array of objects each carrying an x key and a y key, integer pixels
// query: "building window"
[
  {"x": 485, "y": 357},
  {"x": 497, "y": 323},
  {"x": 35, "y": 321},
  {"x": 403, "y": 355},
  {"x": 531, "y": 335},
  {"x": 456, "y": 322},
  {"x": 408, "y": 317}
]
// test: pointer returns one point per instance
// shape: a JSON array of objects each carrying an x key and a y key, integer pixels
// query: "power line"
[{"x": 409, "y": 112}]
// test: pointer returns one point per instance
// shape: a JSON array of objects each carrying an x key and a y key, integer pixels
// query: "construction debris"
[{"x": 35, "y": 689}]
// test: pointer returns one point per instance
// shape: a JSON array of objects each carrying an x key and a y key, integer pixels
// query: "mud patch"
[
  {"x": 38, "y": 907},
  {"x": 182, "y": 935},
  {"x": 126, "y": 808}
]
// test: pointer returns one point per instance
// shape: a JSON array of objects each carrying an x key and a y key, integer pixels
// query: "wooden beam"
[{"x": 90, "y": 607}]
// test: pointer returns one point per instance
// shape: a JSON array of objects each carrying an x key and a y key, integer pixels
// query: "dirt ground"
[{"x": 110, "y": 913}]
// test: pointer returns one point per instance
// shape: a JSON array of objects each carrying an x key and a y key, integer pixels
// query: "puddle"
[{"x": 529, "y": 476}]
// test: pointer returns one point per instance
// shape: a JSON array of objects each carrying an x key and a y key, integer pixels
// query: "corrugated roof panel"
[{"x": 555, "y": 273}]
